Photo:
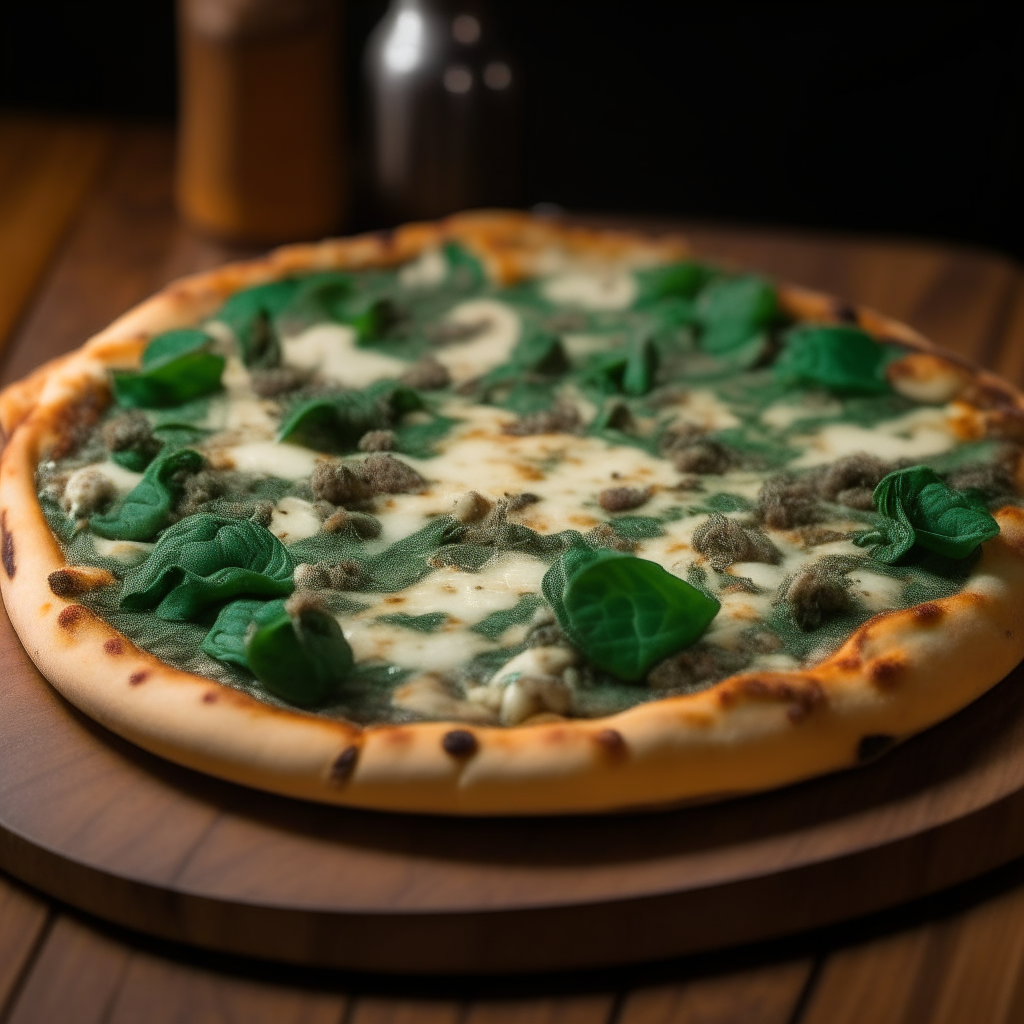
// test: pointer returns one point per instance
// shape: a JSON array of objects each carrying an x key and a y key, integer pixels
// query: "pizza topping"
[
  {"x": 146, "y": 509},
  {"x": 377, "y": 441},
  {"x": 786, "y": 501},
  {"x": 918, "y": 508},
  {"x": 622, "y": 499},
  {"x": 278, "y": 381},
  {"x": 564, "y": 418},
  {"x": 845, "y": 360},
  {"x": 176, "y": 367},
  {"x": 131, "y": 441},
  {"x": 359, "y": 523},
  {"x": 723, "y": 541},
  {"x": 384, "y": 474},
  {"x": 818, "y": 593},
  {"x": 86, "y": 491},
  {"x": 733, "y": 311},
  {"x": 204, "y": 560},
  {"x": 625, "y": 613},
  {"x": 73, "y": 580},
  {"x": 426, "y": 374}
]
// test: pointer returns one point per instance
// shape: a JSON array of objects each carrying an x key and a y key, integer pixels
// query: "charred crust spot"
[
  {"x": 873, "y": 745},
  {"x": 928, "y": 612},
  {"x": 70, "y": 616},
  {"x": 62, "y": 582},
  {"x": 344, "y": 764},
  {"x": 612, "y": 742},
  {"x": 459, "y": 743},
  {"x": 210, "y": 697},
  {"x": 849, "y": 663},
  {"x": 885, "y": 672},
  {"x": 7, "y": 547},
  {"x": 114, "y": 646},
  {"x": 845, "y": 313},
  {"x": 1008, "y": 634},
  {"x": 803, "y": 697},
  {"x": 138, "y": 677}
]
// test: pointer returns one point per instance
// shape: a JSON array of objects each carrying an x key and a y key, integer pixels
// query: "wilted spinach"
[
  {"x": 176, "y": 367},
  {"x": 843, "y": 359}
]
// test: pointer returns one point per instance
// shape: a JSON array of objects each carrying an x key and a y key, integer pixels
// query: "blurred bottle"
[
  {"x": 444, "y": 110},
  {"x": 259, "y": 152}
]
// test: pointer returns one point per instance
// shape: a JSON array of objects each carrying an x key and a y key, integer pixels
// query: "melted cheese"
[
  {"x": 607, "y": 288},
  {"x": 294, "y": 519},
  {"x": 492, "y": 346},
  {"x": 428, "y": 270},
  {"x": 331, "y": 350}
]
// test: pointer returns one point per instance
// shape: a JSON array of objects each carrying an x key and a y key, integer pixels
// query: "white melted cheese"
[
  {"x": 490, "y": 347},
  {"x": 122, "y": 479},
  {"x": 603, "y": 288},
  {"x": 294, "y": 519},
  {"x": 428, "y": 270},
  {"x": 270, "y": 458},
  {"x": 331, "y": 350},
  {"x": 919, "y": 433},
  {"x": 131, "y": 552}
]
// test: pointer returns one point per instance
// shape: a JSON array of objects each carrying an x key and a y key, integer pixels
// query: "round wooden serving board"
[{"x": 93, "y": 821}]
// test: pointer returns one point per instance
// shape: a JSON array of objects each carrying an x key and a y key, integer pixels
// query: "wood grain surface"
[{"x": 926, "y": 964}]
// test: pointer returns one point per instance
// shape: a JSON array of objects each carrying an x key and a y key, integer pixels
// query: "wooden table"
[{"x": 87, "y": 228}]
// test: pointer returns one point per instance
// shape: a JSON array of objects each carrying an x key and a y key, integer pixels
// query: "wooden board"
[{"x": 95, "y": 822}]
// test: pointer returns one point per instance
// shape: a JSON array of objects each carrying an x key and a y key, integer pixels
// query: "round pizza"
[{"x": 502, "y": 516}]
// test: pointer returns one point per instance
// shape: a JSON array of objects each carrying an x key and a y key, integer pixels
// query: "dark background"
[{"x": 854, "y": 118}]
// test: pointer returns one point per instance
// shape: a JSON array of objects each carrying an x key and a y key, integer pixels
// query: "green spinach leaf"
[
  {"x": 670, "y": 281},
  {"x": 918, "y": 508},
  {"x": 430, "y": 622},
  {"x": 493, "y": 625},
  {"x": 303, "y": 659},
  {"x": 176, "y": 367},
  {"x": 146, "y": 508},
  {"x": 624, "y": 613},
  {"x": 205, "y": 560},
  {"x": 630, "y": 371},
  {"x": 845, "y": 360},
  {"x": 336, "y": 423},
  {"x": 226, "y": 639},
  {"x": 732, "y": 310},
  {"x": 251, "y": 315}
]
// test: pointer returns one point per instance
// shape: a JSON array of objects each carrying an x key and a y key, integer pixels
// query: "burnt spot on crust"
[
  {"x": 787, "y": 501},
  {"x": 210, "y": 697},
  {"x": 78, "y": 579},
  {"x": 845, "y": 313},
  {"x": 927, "y": 613},
  {"x": 70, "y": 616},
  {"x": 63, "y": 583},
  {"x": 885, "y": 672},
  {"x": 7, "y": 547},
  {"x": 622, "y": 499},
  {"x": 803, "y": 697},
  {"x": 344, "y": 764},
  {"x": 114, "y": 646},
  {"x": 459, "y": 743},
  {"x": 612, "y": 742},
  {"x": 562, "y": 419},
  {"x": 139, "y": 676},
  {"x": 874, "y": 745},
  {"x": 723, "y": 541}
]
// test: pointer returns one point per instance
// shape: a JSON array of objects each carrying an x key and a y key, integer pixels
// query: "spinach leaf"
[
  {"x": 843, "y": 359},
  {"x": 303, "y": 658},
  {"x": 630, "y": 371},
  {"x": 226, "y": 639},
  {"x": 405, "y": 562},
  {"x": 336, "y": 423},
  {"x": 733, "y": 310},
  {"x": 624, "y": 613},
  {"x": 493, "y": 625},
  {"x": 430, "y": 622},
  {"x": 204, "y": 560},
  {"x": 251, "y": 314},
  {"x": 334, "y": 296},
  {"x": 670, "y": 281},
  {"x": 146, "y": 508},
  {"x": 176, "y": 367},
  {"x": 918, "y": 508},
  {"x": 466, "y": 272}
]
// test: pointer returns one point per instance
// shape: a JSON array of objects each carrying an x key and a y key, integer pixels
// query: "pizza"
[{"x": 498, "y": 515}]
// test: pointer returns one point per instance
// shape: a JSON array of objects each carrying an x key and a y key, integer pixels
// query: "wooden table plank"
[
  {"x": 23, "y": 921},
  {"x": 374, "y": 1010},
  {"x": 593, "y": 1009},
  {"x": 768, "y": 995},
  {"x": 82, "y": 976},
  {"x": 46, "y": 171}
]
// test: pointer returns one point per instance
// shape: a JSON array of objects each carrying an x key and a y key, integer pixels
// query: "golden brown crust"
[{"x": 900, "y": 672}]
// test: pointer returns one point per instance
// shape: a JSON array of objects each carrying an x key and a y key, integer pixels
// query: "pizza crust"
[{"x": 899, "y": 673}]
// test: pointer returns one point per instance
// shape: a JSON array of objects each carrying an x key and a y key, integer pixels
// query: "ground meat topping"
[
  {"x": 694, "y": 668},
  {"x": 993, "y": 479},
  {"x": 851, "y": 480},
  {"x": 339, "y": 483},
  {"x": 818, "y": 593},
  {"x": 723, "y": 541},
  {"x": 87, "y": 491},
  {"x": 603, "y": 536},
  {"x": 786, "y": 501},
  {"x": 131, "y": 430},
  {"x": 278, "y": 381},
  {"x": 384, "y": 474},
  {"x": 427, "y": 374},
  {"x": 622, "y": 499},
  {"x": 377, "y": 441},
  {"x": 562, "y": 419}
]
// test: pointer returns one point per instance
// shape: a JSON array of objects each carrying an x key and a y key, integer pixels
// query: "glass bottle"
[{"x": 444, "y": 110}]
